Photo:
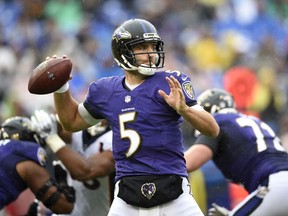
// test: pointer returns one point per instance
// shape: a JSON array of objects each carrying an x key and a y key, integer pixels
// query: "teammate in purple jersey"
[
  {"x": 22, "y": 162},
  {"x": 144, "y": 109},
  {"x": 248, "y": 152}
]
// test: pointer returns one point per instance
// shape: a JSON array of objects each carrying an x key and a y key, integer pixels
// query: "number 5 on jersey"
[{"x": 132, "y": 135}]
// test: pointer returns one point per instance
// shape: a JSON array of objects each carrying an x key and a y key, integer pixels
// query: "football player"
[
  {"x": 145, "y": 110},
  {"x": 23, "y": 163},
  {"x": 248, "y": 152},
  {"x": 88, "y": 167}
]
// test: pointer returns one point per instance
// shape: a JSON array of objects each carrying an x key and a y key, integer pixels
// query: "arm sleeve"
[{"x": 211, "y": 142}]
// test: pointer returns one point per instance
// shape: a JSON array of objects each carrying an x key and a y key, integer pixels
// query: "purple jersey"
[
  {"x": 247, "y": 150},
  {"x": 11, "y": 153},
  {"x": 147, "y": 139}
]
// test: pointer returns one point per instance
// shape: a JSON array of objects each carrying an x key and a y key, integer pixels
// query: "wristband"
[
  {"x": 63, "y": 89},
  {"x": 55, "y": 142}
]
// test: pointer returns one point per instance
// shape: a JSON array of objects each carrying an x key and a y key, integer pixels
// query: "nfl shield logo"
[{"x": 127, "y": 98}]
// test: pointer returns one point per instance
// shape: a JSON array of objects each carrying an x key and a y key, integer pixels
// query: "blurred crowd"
[{"x": 203, "y": 38}]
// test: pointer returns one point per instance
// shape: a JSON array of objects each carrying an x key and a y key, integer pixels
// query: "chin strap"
[{"x": 142, "y": 70}]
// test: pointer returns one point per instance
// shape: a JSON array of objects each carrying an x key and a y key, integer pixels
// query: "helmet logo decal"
[
  {"x": 188, "y": 89},
  {"x": 120, "y": 34}
]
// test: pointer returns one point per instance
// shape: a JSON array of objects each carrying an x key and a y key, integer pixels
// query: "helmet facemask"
[{"x": 130, "y": 61}]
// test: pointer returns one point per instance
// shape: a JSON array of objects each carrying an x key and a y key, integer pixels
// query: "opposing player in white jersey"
[
  {"x": 93, "y": 195},
  {"x": 92, "y": 179}
]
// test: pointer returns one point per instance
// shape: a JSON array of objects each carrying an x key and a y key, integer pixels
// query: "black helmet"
[
  {"x": 130, "y": 33},
  {"x": 20, "y": 128},
  {"x": 214, "y": 100}
]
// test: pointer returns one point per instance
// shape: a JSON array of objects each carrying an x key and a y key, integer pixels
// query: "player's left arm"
[{"x": 201, "y": 120}]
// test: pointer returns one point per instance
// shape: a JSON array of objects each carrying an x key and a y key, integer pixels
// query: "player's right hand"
[
  {"x": 47, "y": 128},
  {"x": 217, "y": 210},
  {"x": 45, "y": 123},
  {"x": 65, "y": 87}
]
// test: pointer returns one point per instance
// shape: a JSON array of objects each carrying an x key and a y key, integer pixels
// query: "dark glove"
[
  {"x": 33, "y": 208},
  {"x": 60, "y": 173},
  {"x": 69, "y": 193},
  {"x": 45, "y": 123},
  {"x": 38, "y": 209}
]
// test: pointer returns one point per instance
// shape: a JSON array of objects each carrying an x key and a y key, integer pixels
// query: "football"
[{"x": 50, "y": 75}]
